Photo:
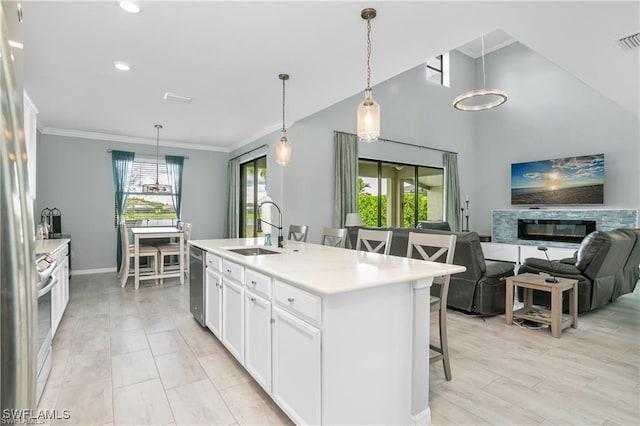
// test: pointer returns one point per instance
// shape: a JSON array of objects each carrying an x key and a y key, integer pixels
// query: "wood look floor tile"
[
  {"x": 167, "y": 342},
  {"x": 250, "y": 405},
  {"x": 199, "y": 403},
  {"x": 89, "y": 403},
  {"x": 223, "y": 370},
  {"x": 179, "y": 368},
  {"x": 133, "y": 367},
  {"x": 123, "y": 342},
  {"x": 141, "y": 404}
]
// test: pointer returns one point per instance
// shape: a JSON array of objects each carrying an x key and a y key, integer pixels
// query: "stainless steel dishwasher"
[{"x": 196, "y": 283}]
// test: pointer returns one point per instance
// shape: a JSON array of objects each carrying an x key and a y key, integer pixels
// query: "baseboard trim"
[
  {"x": 423, "y": 418},
  {"x": 92, "y": 271}
]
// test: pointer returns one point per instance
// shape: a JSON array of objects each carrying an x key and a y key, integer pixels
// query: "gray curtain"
[
  {"x": 346, "y": 177},
  {"x": 233, "y": 186},
  {"x": 452, "y": 185},
  {"x": 175, "y": 165},
  {"x": 121, "y": 162}
]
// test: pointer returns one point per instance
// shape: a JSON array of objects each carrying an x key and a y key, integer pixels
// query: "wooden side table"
[{"x": 553, "y": 317}]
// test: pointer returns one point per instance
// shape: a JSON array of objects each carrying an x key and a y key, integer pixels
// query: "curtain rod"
[
  {"x": 250, "y": 151},
  {"x": 403, "y": 143},
  {"x": 111, "y": 150}
]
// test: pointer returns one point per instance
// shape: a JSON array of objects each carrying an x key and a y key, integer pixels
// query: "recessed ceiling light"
[
  {"x": 122, "y": 66},
  {"x": 130, "y": 6}
]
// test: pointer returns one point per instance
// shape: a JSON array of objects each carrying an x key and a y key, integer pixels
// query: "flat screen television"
[{"x": 562, "y": 181}]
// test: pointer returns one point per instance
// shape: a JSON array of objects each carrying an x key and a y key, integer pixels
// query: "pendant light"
[
  {"x": 283, "y": 149},
  {"x": 368, "y": 122},
  {"x": 157, "y": 187},
  {"x": 491, "y": 97}
]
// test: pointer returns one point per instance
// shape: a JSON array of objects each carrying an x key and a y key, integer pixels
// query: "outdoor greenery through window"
[
  {"x": 253, "y": 187},
  {"x": 144, "y": 208},
  {"x": 399, "y": 195}
]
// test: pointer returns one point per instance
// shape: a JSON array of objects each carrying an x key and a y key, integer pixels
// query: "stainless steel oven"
[{"x": 47, "y": 271}]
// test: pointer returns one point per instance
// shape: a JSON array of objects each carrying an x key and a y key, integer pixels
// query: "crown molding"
[{"x": 128, "y": 139}]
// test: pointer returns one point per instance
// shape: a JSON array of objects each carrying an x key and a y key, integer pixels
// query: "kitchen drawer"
[
  {"x": 298, "y": 301},
  {"x": 233, "y": 270},
  {"x": 214, "y": 262},
  {"x": 257, "y": 282}
]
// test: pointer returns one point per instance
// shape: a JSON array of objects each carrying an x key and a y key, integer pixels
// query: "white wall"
[
  {"x": 413, "y": 110},
  {"x": 74, "y": 175},
  {"x": 550, "y": 114}
]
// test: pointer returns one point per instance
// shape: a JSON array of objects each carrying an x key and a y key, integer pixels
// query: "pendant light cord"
[
  {"x": 158, "y": 127},
  {"x": 484, "y": 75},
  {"x": 368, "y": 54},
  {"x": 284, "y": 130}
]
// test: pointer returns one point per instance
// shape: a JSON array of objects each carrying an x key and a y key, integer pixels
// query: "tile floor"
[{"x": 137, "y": 357}]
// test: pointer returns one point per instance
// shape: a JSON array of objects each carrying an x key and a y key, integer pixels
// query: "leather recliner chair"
[
  {"x": 598, "y": 267},
  {"x": 480, "y": 290}
]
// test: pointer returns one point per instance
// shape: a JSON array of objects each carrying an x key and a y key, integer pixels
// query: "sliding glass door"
[{"x": 253, "y": 179}]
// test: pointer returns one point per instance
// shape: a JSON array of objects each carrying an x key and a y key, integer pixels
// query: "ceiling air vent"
[
  {"x": 630, "y": 42},
  {"x": 168, "y": 96}
]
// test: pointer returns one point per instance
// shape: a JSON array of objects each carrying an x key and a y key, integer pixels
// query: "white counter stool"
[
  {"x": 298, "y": 232},
  {"x": 432, "y": 247},
  {"x": 334, "y": 237},
  {"x": 128, "y": 253},
  {"x": 368, "y": 236}
]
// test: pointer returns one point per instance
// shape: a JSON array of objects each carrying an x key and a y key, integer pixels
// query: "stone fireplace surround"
[{"x": 504, "y": 223}]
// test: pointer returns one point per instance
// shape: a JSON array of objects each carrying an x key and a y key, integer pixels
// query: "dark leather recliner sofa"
[
  {"x": 480, "y": 289},
  {"x": 605, "y": 265}
]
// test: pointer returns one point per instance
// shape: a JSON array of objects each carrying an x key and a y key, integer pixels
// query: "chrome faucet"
[{"x": 280, "y": 238}]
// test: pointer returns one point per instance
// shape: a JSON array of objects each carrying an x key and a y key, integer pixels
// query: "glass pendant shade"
[
  {"x": 368, "y": 120},
  {"x": 283, "y": 152}
]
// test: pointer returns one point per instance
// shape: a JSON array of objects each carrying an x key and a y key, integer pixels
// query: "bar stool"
[
  {"x": 298, "y": 232},
  {"x": 368, "y": 236},
  {"x": 436, "y": 246},
  {"x": 334, "y": 237}
]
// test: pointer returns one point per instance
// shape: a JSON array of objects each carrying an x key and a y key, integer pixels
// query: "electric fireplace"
[{"x": 561, "y": 230}]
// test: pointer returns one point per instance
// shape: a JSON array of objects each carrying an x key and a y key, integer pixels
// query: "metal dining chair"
[
  {"x": 298, "y": 232},
  {"x": 334, "y": 237},
  {"x": 433, "y": 247},
  {"x": 368, "y": 236}
]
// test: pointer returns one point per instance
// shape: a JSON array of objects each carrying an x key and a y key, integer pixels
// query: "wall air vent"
[
  {"x": 168, "y": 96},
  {"x": 629, "y": 42}
]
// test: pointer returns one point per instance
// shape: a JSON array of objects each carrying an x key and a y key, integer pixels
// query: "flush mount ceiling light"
[
  {"x": 368, "y": 121},
  {"x": 157, "y": 187},
  {"x": 283, "y": 149},
  {"x": 122, "y": 66},
  {"x": 488, "y": 98},
  {"x": 129, "y": 6}
]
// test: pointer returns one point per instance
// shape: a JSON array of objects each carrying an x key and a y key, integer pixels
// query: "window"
[
  {"x": 399, "y": 195},
  {"x": 253, "y": 182},
  {"x": 438, "y": 70},
  {"x": 145, "y": 208}
]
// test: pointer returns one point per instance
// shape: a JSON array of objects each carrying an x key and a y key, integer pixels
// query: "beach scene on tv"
[{"x": 571, "y": 180}]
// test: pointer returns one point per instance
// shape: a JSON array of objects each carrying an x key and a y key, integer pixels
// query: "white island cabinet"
[
  {"x": 334, "y": 336},
  {"x": 213, "y": 295}
]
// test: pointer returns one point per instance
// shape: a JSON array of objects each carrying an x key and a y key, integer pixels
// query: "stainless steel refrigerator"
[{"x": 17, "y": 237}]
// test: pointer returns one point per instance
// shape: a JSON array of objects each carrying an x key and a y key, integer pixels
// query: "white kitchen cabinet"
[
  {"x": 213, "y": 301},
  {"x": 257, "y": 342},
  {"x": 60, "y": 292},
  {"x": 233, "y": 318},
  {"x": 296, "y": 367}
]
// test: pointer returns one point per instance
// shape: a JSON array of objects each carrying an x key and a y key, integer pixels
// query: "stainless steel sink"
[{"x": 253, "y": 251}]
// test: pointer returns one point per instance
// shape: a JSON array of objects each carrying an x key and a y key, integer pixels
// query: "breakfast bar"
[{"x": 334, "y": 336}]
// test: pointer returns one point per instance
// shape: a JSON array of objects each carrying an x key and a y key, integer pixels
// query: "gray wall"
[
  {"x": 550, "y": 114},
  {"x": 413, "y": 110},
  {"x": 74, "y": 175}
]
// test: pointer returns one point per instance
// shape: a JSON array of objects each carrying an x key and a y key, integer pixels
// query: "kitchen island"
[{"x": 334, "y": 336}]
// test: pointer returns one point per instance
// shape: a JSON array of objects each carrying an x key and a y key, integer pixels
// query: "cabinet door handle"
[
  {"x": 253, "y": 299},
  {"x": 217, "y": 284},
  {"x": 228, "y": 271},
  {"x": 253, "y": 282},
  {"x": 290, "y": 299}
]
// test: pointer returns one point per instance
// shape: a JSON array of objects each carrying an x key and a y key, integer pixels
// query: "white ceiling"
[{"x": 227, "y": 56}]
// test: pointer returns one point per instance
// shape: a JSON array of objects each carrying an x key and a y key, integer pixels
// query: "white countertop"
[
  {"x": 328, "y": 270},
  {"x": 50, "y": 246}
]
